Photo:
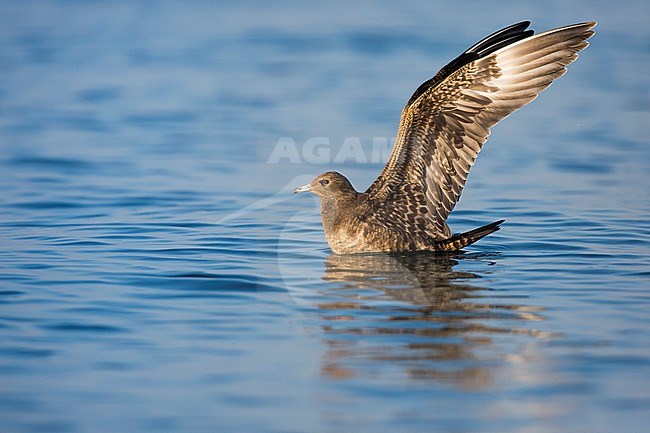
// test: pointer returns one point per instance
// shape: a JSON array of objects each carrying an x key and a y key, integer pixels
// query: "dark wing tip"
[
  {"x": 484, "y": 47},
  {"x": 510, "y": 34}
]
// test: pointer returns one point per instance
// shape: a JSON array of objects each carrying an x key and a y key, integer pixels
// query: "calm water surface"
[{"x": 156, "y": 274}]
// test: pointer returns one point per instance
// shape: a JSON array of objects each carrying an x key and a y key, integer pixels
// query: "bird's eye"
[{"x": 324, "y": 182}]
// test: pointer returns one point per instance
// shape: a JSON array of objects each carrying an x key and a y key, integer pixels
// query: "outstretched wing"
[{"x": 448, "y": 118}]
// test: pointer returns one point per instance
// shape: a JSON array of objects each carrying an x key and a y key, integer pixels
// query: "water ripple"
[{"x": 157, "y": 274}]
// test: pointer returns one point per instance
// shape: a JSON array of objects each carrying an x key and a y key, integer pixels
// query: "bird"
[{"x": 442, "y": 130}]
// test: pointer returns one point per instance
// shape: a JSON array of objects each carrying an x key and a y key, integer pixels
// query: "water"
[{"x": 157, "y": 274}]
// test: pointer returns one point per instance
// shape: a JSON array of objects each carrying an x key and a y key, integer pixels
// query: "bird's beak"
[{"x": 304, "y": 188}]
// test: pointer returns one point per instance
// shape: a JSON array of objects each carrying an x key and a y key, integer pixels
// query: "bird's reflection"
[{"x": 418, "y": 313}]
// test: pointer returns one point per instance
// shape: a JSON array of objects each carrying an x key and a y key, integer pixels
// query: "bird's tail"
[{"x": 461, "y": 240}]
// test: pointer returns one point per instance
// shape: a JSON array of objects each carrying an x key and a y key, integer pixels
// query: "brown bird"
[{"x": 442, "y": 130}]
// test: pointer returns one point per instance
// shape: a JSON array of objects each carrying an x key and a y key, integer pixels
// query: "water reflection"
[{"x": 416, "y": 313}]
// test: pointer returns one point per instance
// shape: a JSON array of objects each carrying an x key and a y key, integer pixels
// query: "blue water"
[{"x": 158, "y": 276}]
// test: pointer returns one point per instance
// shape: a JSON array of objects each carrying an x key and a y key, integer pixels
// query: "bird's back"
[
  {"x": 358, "y": 227},
  {"x": 369, "y": 225}
]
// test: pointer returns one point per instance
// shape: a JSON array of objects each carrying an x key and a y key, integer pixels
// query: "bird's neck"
[{"x": 336, "y": 209}]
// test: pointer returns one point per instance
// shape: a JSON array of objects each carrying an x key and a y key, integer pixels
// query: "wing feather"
[{"x": 448, "y": 118}]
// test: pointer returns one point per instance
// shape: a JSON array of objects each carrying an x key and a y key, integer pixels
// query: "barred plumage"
[{"x": 442, "y": 129}]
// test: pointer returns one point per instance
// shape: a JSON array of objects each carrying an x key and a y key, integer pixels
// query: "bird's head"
[{"x": 330, "y": 184}]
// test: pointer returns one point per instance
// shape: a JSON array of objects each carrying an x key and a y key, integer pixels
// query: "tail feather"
[{"x": 461, "y": 240}]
